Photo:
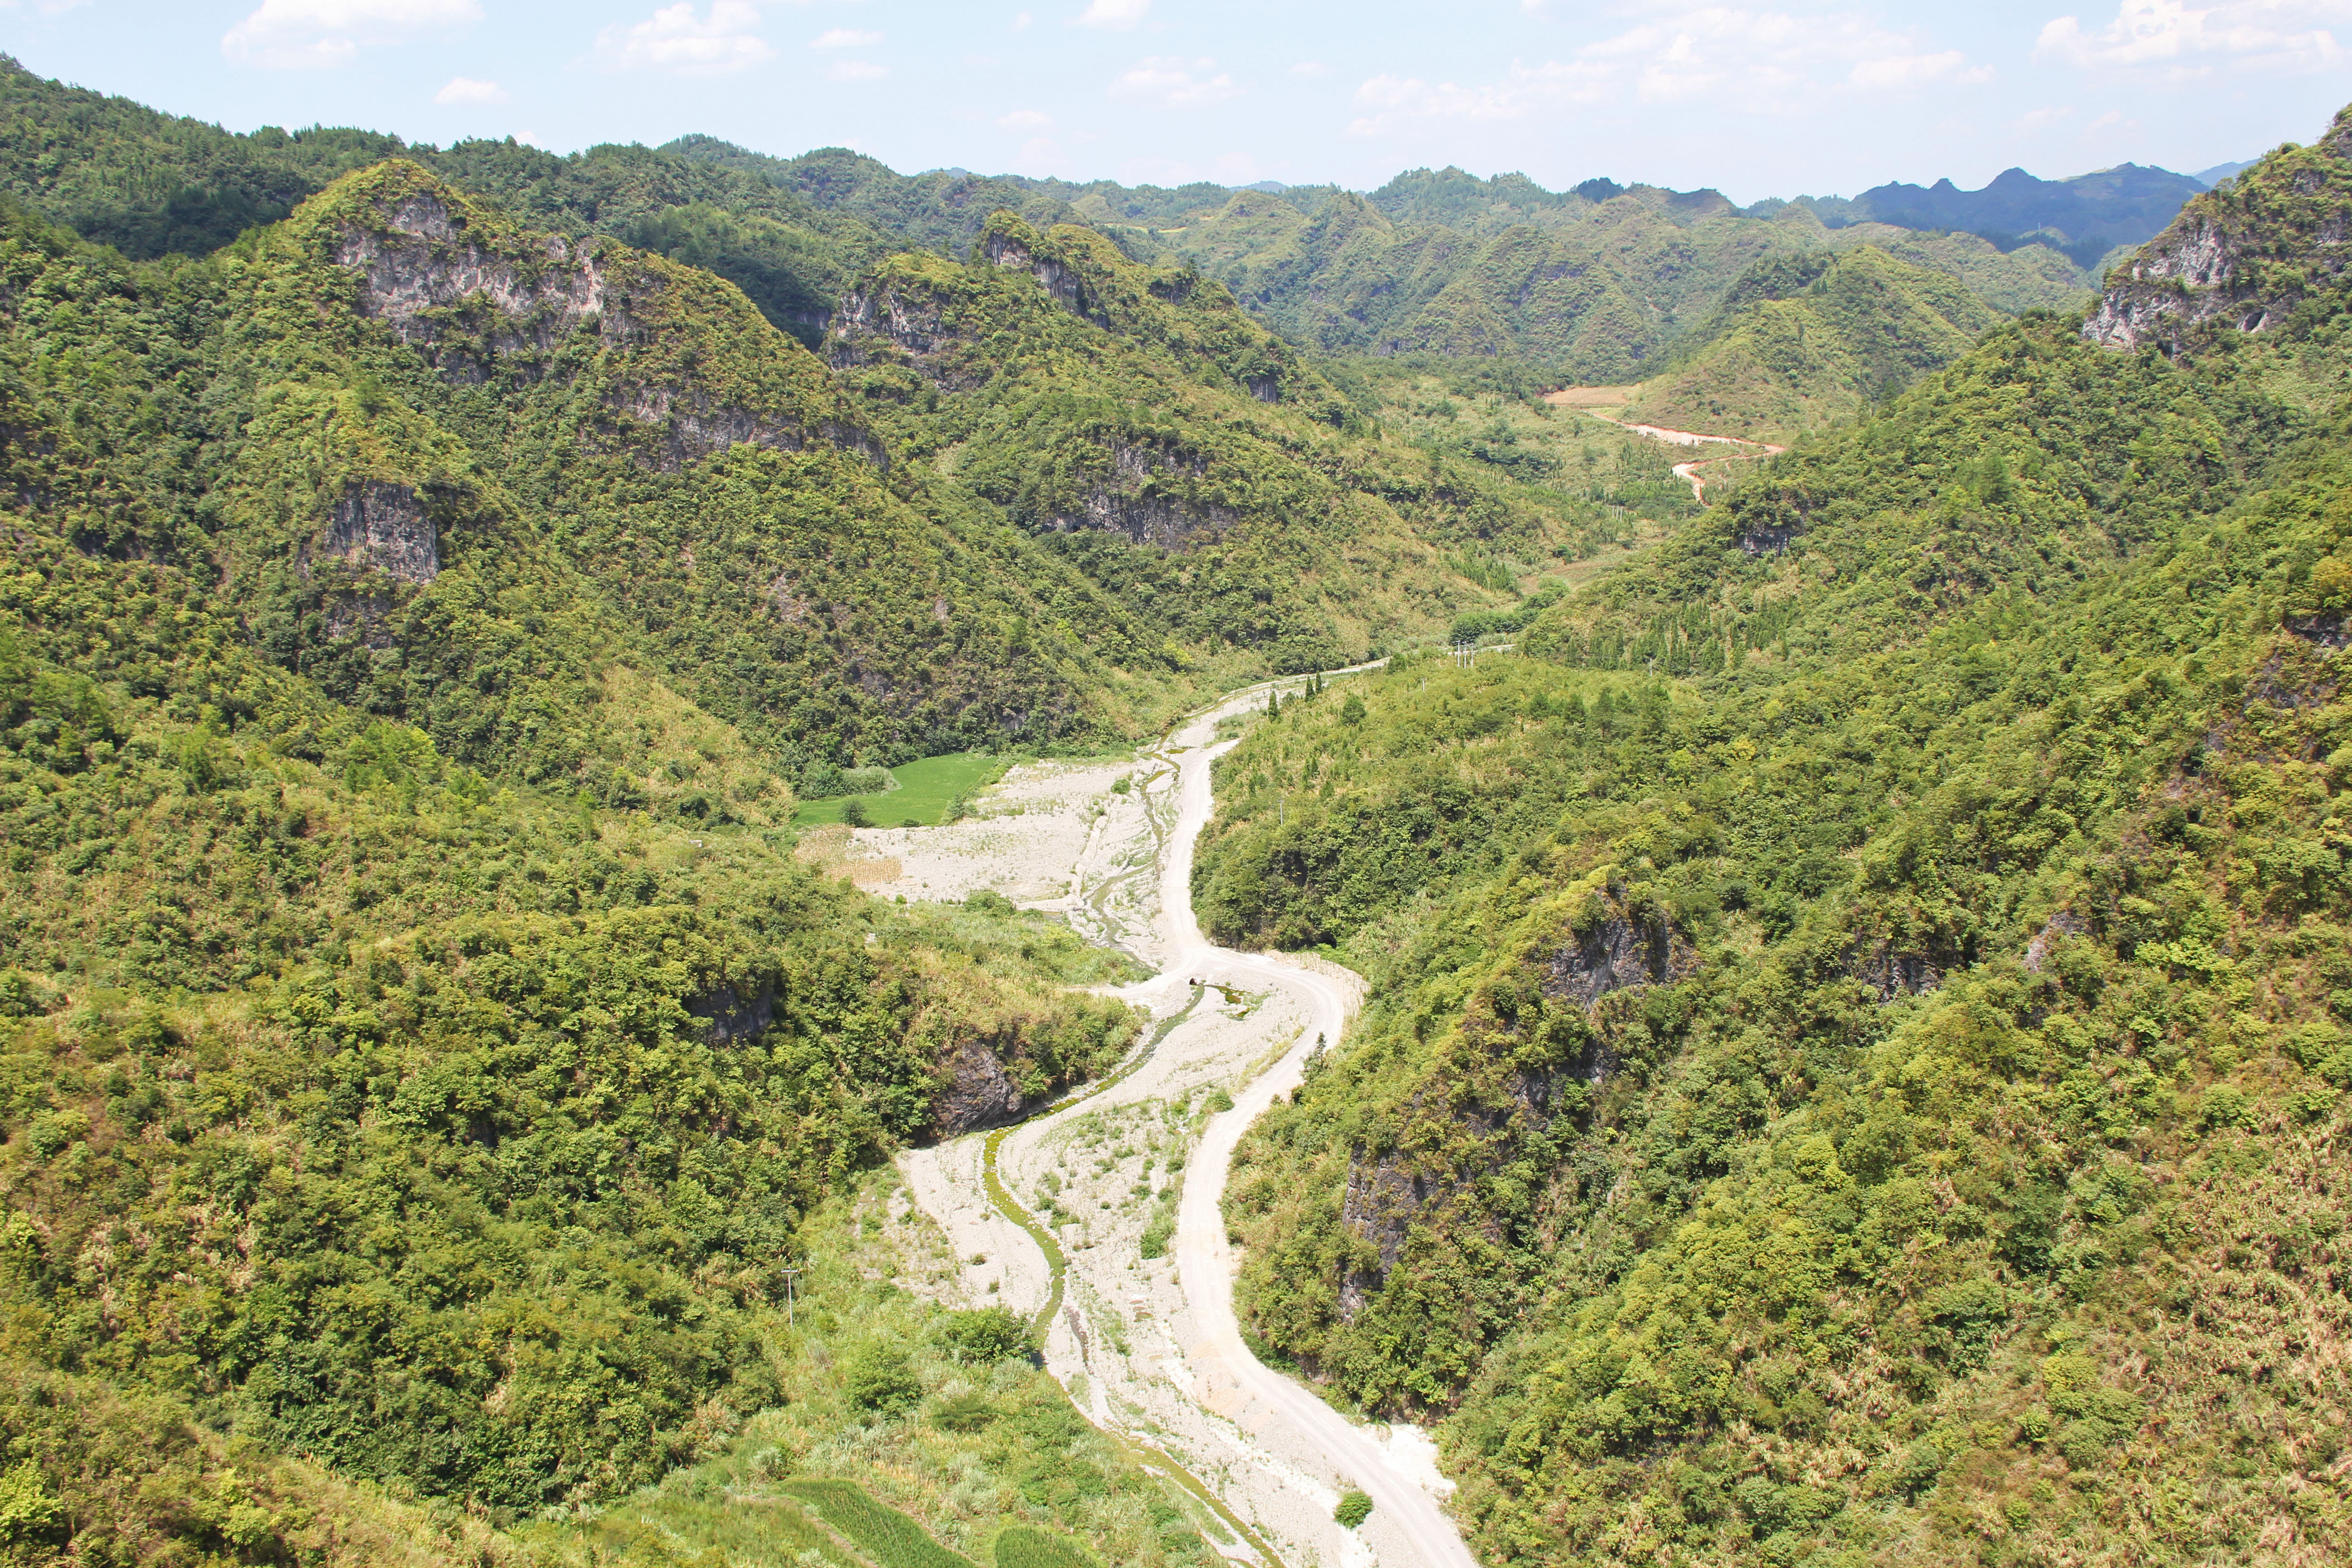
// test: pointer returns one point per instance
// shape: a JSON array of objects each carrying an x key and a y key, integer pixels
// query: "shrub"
[
  {"x": 987, "y": 1336},
  {"x": 880, "y": 1380},
  {"x": 853, "y": 813},
  {"x": 1353, "y": 1509}
]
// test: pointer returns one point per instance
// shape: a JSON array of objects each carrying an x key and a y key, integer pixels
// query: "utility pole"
[{"x": 791, "y": 1294}]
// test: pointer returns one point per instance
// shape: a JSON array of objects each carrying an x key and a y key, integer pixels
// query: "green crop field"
[
  {"x": 881, "y": 1533},
  {"x": 926, "y": 789},
  {"x": 1021, "y": 1547}
]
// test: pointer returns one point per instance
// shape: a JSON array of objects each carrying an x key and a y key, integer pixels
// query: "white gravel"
[{"x": 1150, "y": 1346}]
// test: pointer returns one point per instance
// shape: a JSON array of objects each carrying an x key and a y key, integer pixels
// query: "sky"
[{"x": 1801, "y": 98}]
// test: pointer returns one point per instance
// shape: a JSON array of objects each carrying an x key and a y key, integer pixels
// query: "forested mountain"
[
  {"x": 421, "y": 1051},
  {"x": 1592, "y": 284},
  {"x": 1855, "y": 1045},
  {"x": 1855, "y": 1064},
  {"x": 1583, "y": 291},
  {"x": 1807, "y": 339}
]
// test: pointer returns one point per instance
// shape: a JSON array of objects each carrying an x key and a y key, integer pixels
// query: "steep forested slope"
[
  {"x": 421, "y": 1054},
  {"x": 1589, "y": 291},
  {"x": 1807, "y": 339},
  {"x": 1854, "y": 1070},
  {"x": 1585, "y": 285}
]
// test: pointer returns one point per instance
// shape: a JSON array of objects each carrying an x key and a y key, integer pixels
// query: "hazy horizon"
[{"x": 1801, "y": 100}]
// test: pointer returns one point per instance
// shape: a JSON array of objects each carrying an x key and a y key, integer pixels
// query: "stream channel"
[{"x": 1051, "y": 1212}]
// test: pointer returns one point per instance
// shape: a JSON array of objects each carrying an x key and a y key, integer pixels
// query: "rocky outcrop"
[
  {"x": 380, "y": 525},
  {"x": 1619, "y": 953},
  {"x": 421, "y": 275},
  {"x": 977, "y": 1093},
  {"x": 1387, "y": 1194},
  {"x": 908, "y": 320},
  {"x": 1893, "y": 975},
  {"x": 1140, "y": 503},
  {"x": 471, "y": 304},
  {"x": 2062, "y": 924},
  {"x": 1064, "y": 282},
  {"x": 2239, "y": 258},
  {"x": 731, "y": 1015},
  {"x": 1390, "y": 1193}
]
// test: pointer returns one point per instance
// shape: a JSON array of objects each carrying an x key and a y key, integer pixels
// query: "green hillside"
[
  {"x": 1853, "y": 1070},
  {"x": 1583, "y": 291},
  {"x": 1808, "y": 339},
  {"x": 1594, "y": 285},
  {"x": 1855, "y": 1060},
  {"x": 422, "y": 1052}
]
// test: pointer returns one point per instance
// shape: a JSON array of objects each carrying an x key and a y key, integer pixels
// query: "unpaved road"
[
  {"x": 1149, "y": 1347},
  {"x": 1590, "y": 400}
]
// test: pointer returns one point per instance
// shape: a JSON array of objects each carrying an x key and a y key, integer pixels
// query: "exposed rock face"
[
  {"x": 1893, "y": 975},
  {"x": 1387, "y": 1194},
  {"x": 1135, "y": 504},
  {"x": 693, "y": 428},
  {"x": 979, "y": 1092},
  {"x": 1385, "y": 1197},
  {"x": 733, "y": 1016},
  {"x": 2064, "y": 923},
  {"x": 912, "y": 323},
  {"x": 381, "y": 525},
  {"x": 420, "y": 275},
  {"x": 2239, "y": 258},
  {"x": 1619, "y": 954},
  {"x": 467, "y": 305},
  {"x": 1063, "y": 283}
]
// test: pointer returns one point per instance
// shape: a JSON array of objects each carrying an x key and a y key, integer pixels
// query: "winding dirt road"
[
  {"x": 1580, "y": 399},
  {"x": 1149, "y": 1347},
  {"x": 1203, "y": 1258}
]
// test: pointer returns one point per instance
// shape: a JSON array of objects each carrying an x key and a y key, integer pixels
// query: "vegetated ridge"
[
  {"x": 1855, "y": 1064},
  {"x": 1809, "y": 339}
]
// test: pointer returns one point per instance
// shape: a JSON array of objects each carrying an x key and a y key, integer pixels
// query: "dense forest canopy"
[
  {"x": 1856, "y": 1056},
  {"x": 1854, "y": 1059}
]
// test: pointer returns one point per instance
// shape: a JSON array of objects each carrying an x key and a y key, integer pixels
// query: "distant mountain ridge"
[{"x": 2086, "y": 216}]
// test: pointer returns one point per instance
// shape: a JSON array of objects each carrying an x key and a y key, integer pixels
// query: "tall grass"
[{"x": 887, "y": 1536}]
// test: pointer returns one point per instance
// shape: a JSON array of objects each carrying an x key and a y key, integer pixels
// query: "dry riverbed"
[{"x": 1107, "y": 1172}]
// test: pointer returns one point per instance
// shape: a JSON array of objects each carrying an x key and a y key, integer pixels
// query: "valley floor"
[{"x": 1148, "y": 1346}]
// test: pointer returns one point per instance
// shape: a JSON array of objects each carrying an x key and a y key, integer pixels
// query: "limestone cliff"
[
  {"x": 690, "y": 368},
  {"x": 2241, "y": 259}
]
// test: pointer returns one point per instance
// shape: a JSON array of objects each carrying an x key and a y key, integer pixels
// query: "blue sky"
[{"x": 1757, "y": 101}]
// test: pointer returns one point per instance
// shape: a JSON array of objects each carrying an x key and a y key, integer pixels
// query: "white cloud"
[
  {"x": 1022, "y": 20},
  {"x": 1310, "y": 67},
  {"x": 466, "y": 90},
  {"x": 1113, "y": 13},
  {"x": 2039, "y": 119},
  {"x": 293, "y": 34},
  {"x": 1894, "y": 73},
  {"x": 857, "y": 70},
  {"x": 674, "y": 40},
  {"x": 45, "y": 8},
  {"x": 1173, "y": 82},
  {"x": 1769, "y": 62},
  {"x": 1399, "y": 100},
  {"x": 844, "y": 38},
  {"x": 1024, "y": 119},
  {"x": 2176, "y": 42}
]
